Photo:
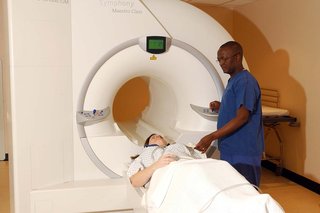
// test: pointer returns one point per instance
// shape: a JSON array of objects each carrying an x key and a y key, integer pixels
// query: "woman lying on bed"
[
  {"x": 157, "y": 154},
  {"x": 218, "y": 186}
]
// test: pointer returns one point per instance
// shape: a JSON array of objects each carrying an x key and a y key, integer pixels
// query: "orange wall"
[{"x": 281, "y": 46}]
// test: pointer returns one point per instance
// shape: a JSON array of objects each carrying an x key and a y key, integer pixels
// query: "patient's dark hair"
[{"x": 146, "y": 143}]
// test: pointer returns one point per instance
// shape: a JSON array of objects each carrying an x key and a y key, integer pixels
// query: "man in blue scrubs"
[{"x": 240, "y": 126}]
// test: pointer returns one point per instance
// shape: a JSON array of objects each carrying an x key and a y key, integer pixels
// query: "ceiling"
[{"x": 224, "y": 3}]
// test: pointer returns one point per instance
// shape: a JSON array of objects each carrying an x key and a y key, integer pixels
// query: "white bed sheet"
[{"x": 205, "y": 185}]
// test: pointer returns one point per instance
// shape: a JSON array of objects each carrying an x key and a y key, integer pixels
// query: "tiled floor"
[{"x": 292, "y": 197}]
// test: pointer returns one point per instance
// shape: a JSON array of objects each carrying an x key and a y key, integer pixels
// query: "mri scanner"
[{"x": 162, "y": 114}]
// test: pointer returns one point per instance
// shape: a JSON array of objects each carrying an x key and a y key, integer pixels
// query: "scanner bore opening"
[
  {"x": 131, "y": 99},
  {"x": 139, "y": 98}
]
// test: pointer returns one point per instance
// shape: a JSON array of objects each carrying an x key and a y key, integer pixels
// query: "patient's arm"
[{"x": 143, "y": 176}]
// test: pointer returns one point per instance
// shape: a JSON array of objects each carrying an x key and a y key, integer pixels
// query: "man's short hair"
[{"x": 235, "y": 46}]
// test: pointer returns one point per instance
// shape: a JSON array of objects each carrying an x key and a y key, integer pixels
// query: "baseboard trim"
[{"x": 303, "y": 181}]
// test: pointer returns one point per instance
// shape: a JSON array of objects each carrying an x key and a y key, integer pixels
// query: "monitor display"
[{"x": 156, "y": 44}]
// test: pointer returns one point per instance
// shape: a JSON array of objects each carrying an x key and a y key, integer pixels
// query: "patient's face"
[{"x": 159, "y": 140}]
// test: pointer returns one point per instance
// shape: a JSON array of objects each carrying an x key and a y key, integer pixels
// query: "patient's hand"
[
  {"x": 165, "y": 160},
  {"x": 143, "y": 176}
]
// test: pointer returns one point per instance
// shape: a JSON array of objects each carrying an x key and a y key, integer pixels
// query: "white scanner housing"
[{"x": 171, "y": 89}]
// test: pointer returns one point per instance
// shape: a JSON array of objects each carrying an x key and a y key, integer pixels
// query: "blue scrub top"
[{"x": 242, "y": 90}]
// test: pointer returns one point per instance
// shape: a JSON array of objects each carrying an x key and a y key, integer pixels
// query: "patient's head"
[{"x": 156, "y": 140}]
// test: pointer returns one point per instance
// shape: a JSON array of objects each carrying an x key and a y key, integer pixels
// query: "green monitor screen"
[{"x": 156, "y": 44}]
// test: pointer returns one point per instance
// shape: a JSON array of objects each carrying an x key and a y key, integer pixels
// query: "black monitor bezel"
[{"x": 156, "y": 51}]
